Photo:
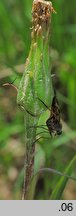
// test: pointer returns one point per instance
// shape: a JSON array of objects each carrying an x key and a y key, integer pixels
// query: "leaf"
[{"x": 58, "y": 190}]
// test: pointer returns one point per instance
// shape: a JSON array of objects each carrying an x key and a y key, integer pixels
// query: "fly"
[{"x": 53, "y": 122}]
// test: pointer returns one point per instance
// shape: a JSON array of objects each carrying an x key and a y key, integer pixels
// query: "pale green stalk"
[{"x": 36, "y": 82}]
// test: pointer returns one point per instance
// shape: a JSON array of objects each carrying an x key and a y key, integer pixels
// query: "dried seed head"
[{"x": 41, "y": 16}]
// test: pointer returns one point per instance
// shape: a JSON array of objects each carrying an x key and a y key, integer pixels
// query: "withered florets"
[{"x": 41, "y": 12}]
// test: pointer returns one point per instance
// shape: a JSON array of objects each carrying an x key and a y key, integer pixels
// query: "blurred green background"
[{"x": 15, "y": 39}]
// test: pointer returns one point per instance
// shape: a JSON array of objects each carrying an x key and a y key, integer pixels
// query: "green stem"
[{"x": 36, "y": 82}]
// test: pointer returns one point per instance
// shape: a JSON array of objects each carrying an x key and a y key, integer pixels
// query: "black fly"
[{"x": 53, "y": 122}]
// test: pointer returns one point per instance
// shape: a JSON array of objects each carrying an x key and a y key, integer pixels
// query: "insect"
[{"x": 53, "y": 122}]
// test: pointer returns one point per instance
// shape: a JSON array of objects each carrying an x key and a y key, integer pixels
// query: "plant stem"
[{"x": 36, "y": 82}]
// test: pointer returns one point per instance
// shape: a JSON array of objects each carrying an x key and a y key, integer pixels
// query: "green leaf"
[{"x": 58, "y": 190}]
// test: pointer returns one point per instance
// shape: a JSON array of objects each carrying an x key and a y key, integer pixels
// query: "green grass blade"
[{"x": 58, "y": 190}]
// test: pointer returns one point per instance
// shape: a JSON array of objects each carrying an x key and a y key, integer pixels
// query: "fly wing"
[
  {"x": 55, "y": 116},
  {"x": 55, "y": 109}
]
